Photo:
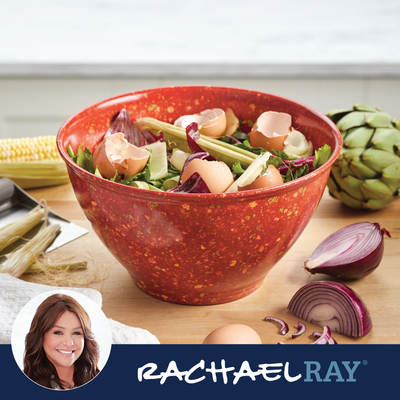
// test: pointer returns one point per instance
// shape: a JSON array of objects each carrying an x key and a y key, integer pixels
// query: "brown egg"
[
  {"x": 210, "y": 122},
  {"x": 115, "y": 154},
  {"x": 270, "y": 130},
  {"x": 216, "y": 174},
  {"x": 233, "y": 334},
  {"x": 272, "y": 177}
]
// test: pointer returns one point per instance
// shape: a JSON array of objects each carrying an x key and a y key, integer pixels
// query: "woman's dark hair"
[{"x": 36, "y": 364}]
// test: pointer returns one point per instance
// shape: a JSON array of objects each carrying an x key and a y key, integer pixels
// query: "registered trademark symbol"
[{"x": 365, "y": 362}]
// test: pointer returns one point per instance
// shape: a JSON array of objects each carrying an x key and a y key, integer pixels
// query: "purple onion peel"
[
  {"x": 123, "y": 123},
  {"x": 195, "y": 184}
]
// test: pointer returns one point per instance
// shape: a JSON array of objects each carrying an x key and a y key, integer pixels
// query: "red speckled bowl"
[{"x": 196, "y": 248}]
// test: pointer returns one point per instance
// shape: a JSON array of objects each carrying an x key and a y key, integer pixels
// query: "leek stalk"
[{"x": 220, "y": 150}]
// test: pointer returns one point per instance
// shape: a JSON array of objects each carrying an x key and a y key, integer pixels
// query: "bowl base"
[{"x": 199, "y": 298}]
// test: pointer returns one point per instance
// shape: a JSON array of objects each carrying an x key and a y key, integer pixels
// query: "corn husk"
[
  {"x": 41, "y": 265},
  {"x": 22, "y": 258},
  {"x": 17, "y": 229},
  {"x": 59, "y": 270}
]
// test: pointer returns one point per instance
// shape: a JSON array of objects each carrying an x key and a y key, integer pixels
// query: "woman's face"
[{"x": 64, "y": 342}]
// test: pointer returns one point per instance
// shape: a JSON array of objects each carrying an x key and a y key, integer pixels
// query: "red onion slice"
[
  {"x": 192, "y": 135},
  {"x": 195, "y": 184},
  {"x": 301, "y": 328},
  {"x": 234, "y": 139},
  {"x": 123, "y": 123},
  {"x": 325, "y": 336},
  {"x": 330, "y": 341},
  {"x": 332, "y": 304},
  {"x": 284, "y": 326},
  {"x": 350, "y": 253}
]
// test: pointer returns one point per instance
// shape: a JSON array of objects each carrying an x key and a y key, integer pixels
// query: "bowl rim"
[{"x": 283, "y": 188}]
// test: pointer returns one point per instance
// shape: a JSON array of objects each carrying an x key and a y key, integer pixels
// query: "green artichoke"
[{"x": 366, "y": 175}]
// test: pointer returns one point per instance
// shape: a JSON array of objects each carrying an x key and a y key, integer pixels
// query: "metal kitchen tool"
[{"x": 15, "y": 203}]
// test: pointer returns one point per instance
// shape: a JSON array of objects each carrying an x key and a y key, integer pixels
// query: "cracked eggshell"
[
  {"x": 216, "y": 174},
  {"x": 296, "y": 145},
  {"x": 210, "y": 122},
  {"x": 270, "y": 130},
  {"x": 232, "y": 122},
  {"x": 272, "y": 177},
  {"x": 233, "y": 334},
  {"x": 116, "y": 153}
]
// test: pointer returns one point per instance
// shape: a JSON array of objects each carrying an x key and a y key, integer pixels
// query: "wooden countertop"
[{"x": 182, "y": 324}]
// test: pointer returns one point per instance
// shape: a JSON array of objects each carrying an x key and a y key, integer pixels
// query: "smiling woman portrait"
[{"x": 60, "y": 349}]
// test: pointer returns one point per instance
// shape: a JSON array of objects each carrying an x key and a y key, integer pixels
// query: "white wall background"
[
  {"x": 58, "y": 56},
  {"x": 39, "y": 106}
]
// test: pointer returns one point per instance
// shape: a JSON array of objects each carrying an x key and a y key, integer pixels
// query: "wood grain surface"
[{"x": 123, "y": 301}]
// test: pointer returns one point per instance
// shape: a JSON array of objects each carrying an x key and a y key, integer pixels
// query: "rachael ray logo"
[{"x": 312, "y": 371}]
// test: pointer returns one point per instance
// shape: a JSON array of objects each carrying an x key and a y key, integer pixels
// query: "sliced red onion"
[
  {"x": 233, "y": 138},
  {"x": 332, "y": 304},
  {"x": 192, "y": 135},
  {"x": 123, "y": 123},
  {"x": 330, "y": 341},
  {"x": 201, "y": 155},
  {"x": 296, "y": 164},
  {"x": 284, "y": 326},
  {"x": 301, "y": 328},
  {"x": 350, "y": 253},
  {"x": 195, "y": 184},
  {"x": 151, "y": 137},
  {"x": 325, "y": 336}
]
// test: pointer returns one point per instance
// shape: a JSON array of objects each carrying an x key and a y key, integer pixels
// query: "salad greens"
[{"x": 235, "y": 150}]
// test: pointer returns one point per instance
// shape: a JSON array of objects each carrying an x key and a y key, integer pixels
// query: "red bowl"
[{"x": 197, "y": 248}]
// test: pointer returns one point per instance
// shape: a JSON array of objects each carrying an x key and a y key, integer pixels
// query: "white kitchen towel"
[{"x": 16, "y": 293}]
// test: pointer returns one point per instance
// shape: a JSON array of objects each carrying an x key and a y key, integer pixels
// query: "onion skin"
[
  {"x": 123, "y": 123},
  {"x": 195, "y": 184},
  {"x": 352, "y": 316},
  {"x": 350, "y": 264}
]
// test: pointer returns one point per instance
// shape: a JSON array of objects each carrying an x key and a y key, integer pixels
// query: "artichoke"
[{"x": 366, "y": 175}]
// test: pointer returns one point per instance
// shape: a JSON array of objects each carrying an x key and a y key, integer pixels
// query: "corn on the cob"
[
  {"x": 38, "y": 148},
  {"x": 32, "y": 162}
]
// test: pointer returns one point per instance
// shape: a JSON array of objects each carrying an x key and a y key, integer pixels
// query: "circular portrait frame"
[{"x": 99, "y": 325}]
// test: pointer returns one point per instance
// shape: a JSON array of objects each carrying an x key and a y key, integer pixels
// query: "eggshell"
[
  {"x": 216, "y": 174},
  {"x": 115, "y": 153},
  {"x": 233, "y": 334},
  {"x": 210, "y": 122},
  {"x": 270, "y": 178},
  {"x": 270, "y": 130},
  {"x": 232, "y": 122}
]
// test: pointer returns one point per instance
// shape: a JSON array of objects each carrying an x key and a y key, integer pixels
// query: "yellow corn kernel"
[{"x": 40, "y": 148}]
